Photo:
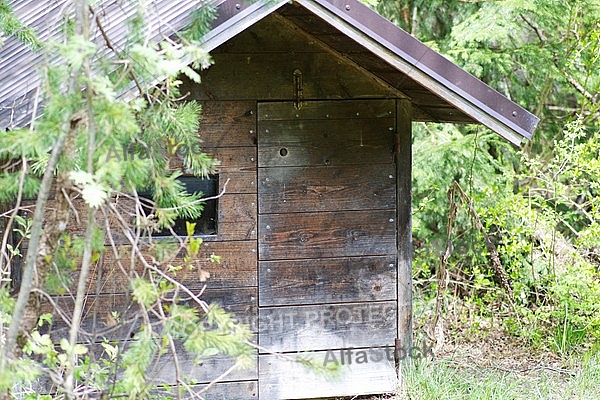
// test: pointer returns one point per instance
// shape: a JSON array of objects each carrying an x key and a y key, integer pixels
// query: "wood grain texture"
[
  {"x": 327, "y": 280},
  {"x": 356, "y": 109},
  {"x": 324, "y": 235},
  {"x": 234, "y": 158},
  {"x": 225, "y": 123},
  {"x": 237, "y": 168},
  {"x": 237, "y": 217},
  {"x": 282, "y": 379},
  {"x": 98, "y": 314},
  {"x": 236, "y": 164},
  {"x": 238, "y": 390},
  {"x": 298, "y": 189},
  {"x": 327, "y": 326},
  {"x": 237, "y": 268},
  {"x": 404, "y": 224},
  {"x": 161, "y": 371},
  {"x": 289, "y": 38},
  {"x": 326, "y": 143},
  {"x": 269, "y": 76},
  {"x": 200, "y": 369}
]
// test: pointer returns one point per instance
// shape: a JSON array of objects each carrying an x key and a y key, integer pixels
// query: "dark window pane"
[{"x": 206, "y": 224}]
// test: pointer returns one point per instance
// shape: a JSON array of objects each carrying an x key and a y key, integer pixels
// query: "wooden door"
[{"x": 327, "y": 243}]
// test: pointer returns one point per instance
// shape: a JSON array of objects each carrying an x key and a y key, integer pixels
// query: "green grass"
[{"x": 447, "y": 379}]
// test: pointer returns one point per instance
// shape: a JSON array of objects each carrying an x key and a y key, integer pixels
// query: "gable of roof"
[{"x": 439, "y": 89}]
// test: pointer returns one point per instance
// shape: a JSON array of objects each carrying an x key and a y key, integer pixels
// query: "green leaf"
[{"x": 144, "y": 292}]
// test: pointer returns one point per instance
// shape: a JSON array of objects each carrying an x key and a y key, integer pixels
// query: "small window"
[{"x": 206, "y": 224}]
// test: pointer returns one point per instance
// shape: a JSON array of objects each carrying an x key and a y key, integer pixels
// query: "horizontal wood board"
[
  {"x": 236, "y": 269},
  {"x": 164, "y": 366},
  {"x": 316, "y": 189},
  {"x": 237, "y": 216},
  {"x": 327, "y": 235},
  {"x": 238, "y": 390},
  {"x": 327, "y": 280},
  {"x": 257, "y": 64},
  {"x": 308, "y": 142},
  {"x": 99, "y": 312},
  {"x": 355, "y": 109},
  {"x": 327, "y": 326},
  {"x": 281, "y": 379}
]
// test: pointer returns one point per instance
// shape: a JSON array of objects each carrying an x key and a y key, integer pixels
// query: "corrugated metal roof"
[
  {"x": 19, "y": 66},
  {"x": 441, "y": 90}
]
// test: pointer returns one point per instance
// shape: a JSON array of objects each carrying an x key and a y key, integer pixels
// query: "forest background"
[{"x": 478, "y": 200}]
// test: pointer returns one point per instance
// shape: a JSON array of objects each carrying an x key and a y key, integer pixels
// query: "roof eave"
[
  {"x": 239, "y": 22},
  {"x": 422, "y": 73}
]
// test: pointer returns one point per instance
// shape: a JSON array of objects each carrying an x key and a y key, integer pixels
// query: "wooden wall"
[
  {"x": 306, "y": 228},
  {"x": 326, "y": 232},
  {"x": 228, "y": 130}
]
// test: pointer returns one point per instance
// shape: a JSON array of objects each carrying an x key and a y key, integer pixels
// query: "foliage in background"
[{"x": 539, "y": 204}]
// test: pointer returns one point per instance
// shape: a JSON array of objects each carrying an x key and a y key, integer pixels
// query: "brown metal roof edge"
[{"x": 432, "y": 63}]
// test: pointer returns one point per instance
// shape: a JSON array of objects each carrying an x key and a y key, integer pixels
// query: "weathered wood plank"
[
  {"x": 404, "y": 224},
  {"x": 301, "y": 189},
  {"x": 99, "y": 312},
  {"x": 269, "y": 76},
  {"x": 224, "y": 123},
  {"x": 234, "y": 158},
  {"x": 327, "y": 326},
  {"x": 331, "y": 109},
  {"x": 323, "y": 235},
  {"x": 236, "y": 164},
  {"x": 239, "y": 390},
  {"x": 282, "y": 379},
  {"x": 237, "y": 268},
  {"x": 289, "y": 38},
  {"x": 239, "y": 181},
  {"x": 363, "y": 132},
  {"x": 237, "y": 217},
  {"x": 327, "y": 280},
  {"x": 200, "y": 370},
  {"x": 164, "y": 367},
  {"x": 325, "y": 142}
]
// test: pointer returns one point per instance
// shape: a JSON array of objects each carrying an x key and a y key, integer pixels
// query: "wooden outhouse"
[{"x": 309, "y": 107}]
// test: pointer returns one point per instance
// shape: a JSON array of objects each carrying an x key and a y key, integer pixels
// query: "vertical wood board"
[{"x": 404, "y": 223}]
